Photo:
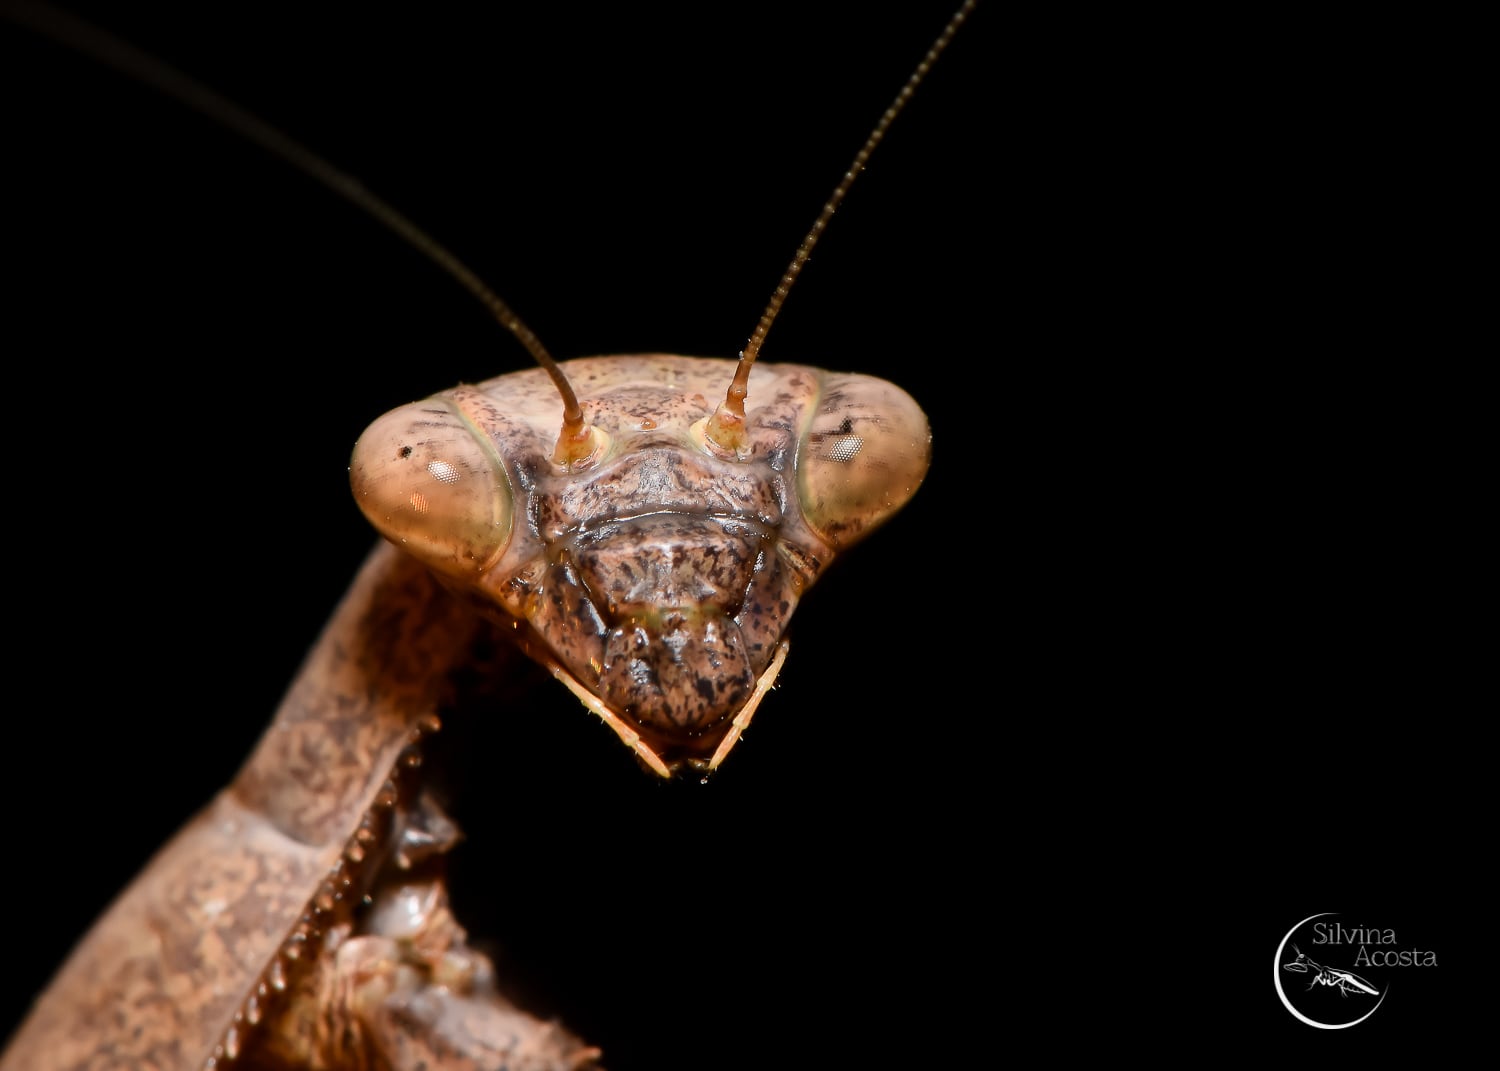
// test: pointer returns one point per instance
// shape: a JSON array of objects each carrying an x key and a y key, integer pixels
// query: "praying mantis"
[
  {"x": 233, "y": 371},
  {"x": 1345, "y": 982}
]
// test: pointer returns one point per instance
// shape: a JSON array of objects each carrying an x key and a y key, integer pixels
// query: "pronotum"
[{"x": 294, "y": 339}]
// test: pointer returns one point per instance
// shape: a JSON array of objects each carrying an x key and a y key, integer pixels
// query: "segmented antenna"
[
  {"x": 575, "y": 443},
  {"x": 726, "y": 428}
]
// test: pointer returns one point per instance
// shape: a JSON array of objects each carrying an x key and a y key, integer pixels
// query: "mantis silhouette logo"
[{"x": 1334, "y": 997}]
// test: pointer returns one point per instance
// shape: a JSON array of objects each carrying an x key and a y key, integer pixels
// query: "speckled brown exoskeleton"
[{"x": 648, "y": 549}]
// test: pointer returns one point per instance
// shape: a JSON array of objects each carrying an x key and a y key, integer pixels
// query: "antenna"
[
  {"x": 725, "y": 430},
  {"x": 576, "y": 442}
]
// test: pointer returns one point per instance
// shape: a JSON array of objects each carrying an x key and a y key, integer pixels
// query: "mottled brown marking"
[
  {"x": 184, "y": 949},
  {"x": 660, "y": 577}
]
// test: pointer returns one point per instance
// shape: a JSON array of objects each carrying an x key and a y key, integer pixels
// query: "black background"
[{"x": 1149, "y": 670}]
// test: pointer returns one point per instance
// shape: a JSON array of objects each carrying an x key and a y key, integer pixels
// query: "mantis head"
[{"x": 1299, "y": 964}]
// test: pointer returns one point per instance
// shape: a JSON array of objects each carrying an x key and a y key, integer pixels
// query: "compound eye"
[
  {"x": 430, "y": 486},
  {"x": 861, "y": 458}
]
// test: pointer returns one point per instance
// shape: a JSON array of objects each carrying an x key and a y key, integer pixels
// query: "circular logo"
[{"x": 1331, "y": 996}]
